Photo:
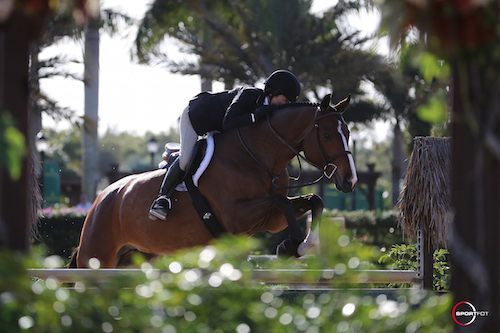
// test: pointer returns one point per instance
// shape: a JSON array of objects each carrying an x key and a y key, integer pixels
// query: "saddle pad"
[
  {"x": 209, "y": 153},
  {"x": 205, "y": 162}
]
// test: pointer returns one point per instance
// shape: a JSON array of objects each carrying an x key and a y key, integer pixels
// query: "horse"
[{"x": 245, "y": 184}]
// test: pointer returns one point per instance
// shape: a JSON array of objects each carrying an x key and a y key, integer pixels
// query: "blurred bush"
[{"x": 209, "y": 289}]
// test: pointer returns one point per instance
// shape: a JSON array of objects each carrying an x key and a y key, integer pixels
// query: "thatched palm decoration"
[{"x": 425, "y": 198}]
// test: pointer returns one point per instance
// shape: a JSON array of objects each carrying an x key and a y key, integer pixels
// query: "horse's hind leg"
[
  {"x": 105, "y": 253},
  {"x": 72, "y": 259},
  {"x": 97, "y": 241},
  {"x": 127, "y": 252}
]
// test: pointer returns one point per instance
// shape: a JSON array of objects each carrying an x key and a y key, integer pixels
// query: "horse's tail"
[{"x": 72, "y": 263}]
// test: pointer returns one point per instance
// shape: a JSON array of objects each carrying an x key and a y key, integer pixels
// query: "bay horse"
[{"x": 246, "y": 184}]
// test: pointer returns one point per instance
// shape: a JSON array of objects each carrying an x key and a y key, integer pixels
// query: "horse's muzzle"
[{"x": 345, "y": 184}]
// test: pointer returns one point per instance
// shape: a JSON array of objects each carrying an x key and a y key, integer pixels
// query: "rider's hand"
[{"x": 261, "y": 112}]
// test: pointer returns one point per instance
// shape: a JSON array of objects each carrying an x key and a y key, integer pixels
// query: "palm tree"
[
  {"x": 243, "y": 41},
  {"x": 64, "y": 25},
  {"x": 90, "y": 156}
]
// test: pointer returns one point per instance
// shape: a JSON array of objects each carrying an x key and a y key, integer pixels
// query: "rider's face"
[{"x": 279, "y": 100}]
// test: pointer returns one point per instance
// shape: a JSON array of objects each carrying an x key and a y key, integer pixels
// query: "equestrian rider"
[{"x": 220, "y": 112}]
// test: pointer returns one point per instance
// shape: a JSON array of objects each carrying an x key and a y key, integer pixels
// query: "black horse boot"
[{"x": 163, "y": 203}]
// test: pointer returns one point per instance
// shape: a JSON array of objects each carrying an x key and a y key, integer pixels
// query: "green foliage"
[
  {"x": 432, "y": 68},
  {"x": 209, "y": 289},
  {"x": 432, "y": 79},
  {"x": 435, "y": 72},
  {"x": 435, "y": 110},
  {"x": 441, "y": 270},
  {"x": 402, "y": 256},
  {"x": 13, "y": 146}
]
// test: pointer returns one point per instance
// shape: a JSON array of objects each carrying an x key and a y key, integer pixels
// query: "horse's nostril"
[{"x": 349, "y": 183}]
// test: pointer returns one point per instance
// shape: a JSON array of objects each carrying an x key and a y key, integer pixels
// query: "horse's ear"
[
  {"x": 342, "y": 105},
  {"x": 325, "y": 102}
]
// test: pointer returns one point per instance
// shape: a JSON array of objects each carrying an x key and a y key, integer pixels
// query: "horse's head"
[{"x": 326, "y": 145}]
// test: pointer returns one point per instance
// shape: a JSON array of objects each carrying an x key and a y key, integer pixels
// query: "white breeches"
[{"x": 188, "y": 139}]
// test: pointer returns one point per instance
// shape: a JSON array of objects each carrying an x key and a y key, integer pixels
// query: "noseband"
[{"x": 329, "y": 168}]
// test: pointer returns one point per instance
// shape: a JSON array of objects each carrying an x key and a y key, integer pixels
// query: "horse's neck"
[
  {"x": 291, "y": 124},
  {"x": 294, "y": 123}
]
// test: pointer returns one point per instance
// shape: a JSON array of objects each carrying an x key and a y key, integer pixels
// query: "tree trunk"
[
  {"x": 397, "y": 161},
  {"x": 16, "y": 206},
  {"x": 90, "y": 154},
  {"x": 206, "y": 84},
  {"x": 475, "y": 244},
  {"x": 35, "y": 121}
]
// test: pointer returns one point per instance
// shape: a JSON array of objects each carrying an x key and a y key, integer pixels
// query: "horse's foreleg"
[
  {"x": 297, "y": 243},
  {"x": 289, "y": 246},
  {"x": 302, "y": 205}
]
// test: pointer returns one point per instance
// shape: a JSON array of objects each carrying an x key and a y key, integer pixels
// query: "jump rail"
[{"x": 319, "y": 277}]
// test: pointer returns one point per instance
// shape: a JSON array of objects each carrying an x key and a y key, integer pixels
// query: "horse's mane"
[
  {"x": 273, "y": 108},
  {"x": 297, "y": 104},
  {"x": 304, "y": 104}
]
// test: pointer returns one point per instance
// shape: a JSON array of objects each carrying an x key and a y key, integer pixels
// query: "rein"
[{"x": 298, "y": 155}]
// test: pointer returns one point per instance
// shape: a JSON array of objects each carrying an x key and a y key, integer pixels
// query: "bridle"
[
  {"x": 324, "y": 155},
  {"x": 329, "y": 167}
]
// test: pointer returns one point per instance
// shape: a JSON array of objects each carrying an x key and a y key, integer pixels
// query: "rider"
[{"x": 221, "y": 111}]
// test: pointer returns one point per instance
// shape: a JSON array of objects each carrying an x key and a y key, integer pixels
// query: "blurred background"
[{"x": 153, "y": 57}]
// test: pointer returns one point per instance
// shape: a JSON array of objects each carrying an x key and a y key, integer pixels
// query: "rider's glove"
[{"x": 260, "y": 113}]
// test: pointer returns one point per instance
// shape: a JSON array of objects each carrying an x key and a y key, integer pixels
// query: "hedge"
[{"x": 59, "y": 234}]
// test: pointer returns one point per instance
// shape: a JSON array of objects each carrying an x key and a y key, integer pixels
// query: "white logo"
[{"x": 464, "y": 313}]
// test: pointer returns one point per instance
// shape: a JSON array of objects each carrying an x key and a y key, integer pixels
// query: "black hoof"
[{"x": 288, "y": 248}]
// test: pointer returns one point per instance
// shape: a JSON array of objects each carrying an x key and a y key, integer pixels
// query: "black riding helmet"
[{"x": 283, "y": 82}]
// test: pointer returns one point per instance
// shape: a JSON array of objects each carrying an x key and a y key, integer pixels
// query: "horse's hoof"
[{"x": 288, "y": 248}]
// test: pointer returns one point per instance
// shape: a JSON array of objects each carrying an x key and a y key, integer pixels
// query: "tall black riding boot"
[{"x": 163, "y": 204}]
